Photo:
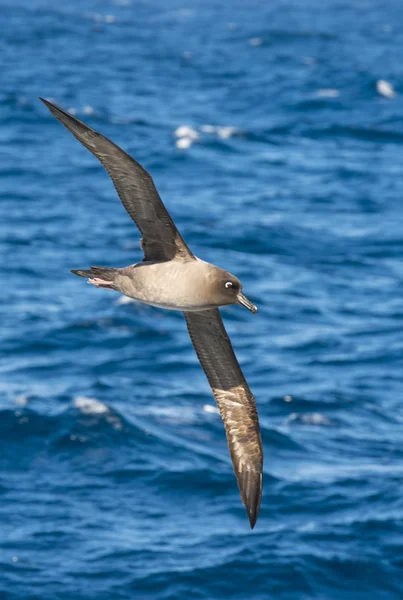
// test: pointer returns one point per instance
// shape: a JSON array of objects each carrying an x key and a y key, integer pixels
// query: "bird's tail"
[{"x": 99, "y": 276}]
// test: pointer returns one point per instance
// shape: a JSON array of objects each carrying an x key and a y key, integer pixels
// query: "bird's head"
[{"x": 228, "y": 289}]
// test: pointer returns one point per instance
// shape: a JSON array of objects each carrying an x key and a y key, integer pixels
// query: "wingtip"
[
  {"x": 56, "y": 111},
  {"x": 54, "y": 108},
  {"x": 80, "y": 130},
  {"x": 47, "y": 103},
  {"x": 252, "y": 496},
  {"x": 253, "y": 513},
  {"x": 252, "y": 516}
]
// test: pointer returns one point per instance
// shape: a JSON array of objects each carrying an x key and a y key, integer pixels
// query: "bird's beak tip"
[{"x": 247, "y": 303}]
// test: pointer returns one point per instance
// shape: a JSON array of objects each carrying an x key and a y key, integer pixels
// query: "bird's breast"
[{"x": 173, "y": 285}]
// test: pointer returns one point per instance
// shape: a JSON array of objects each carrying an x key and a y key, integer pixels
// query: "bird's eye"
[{"x": 229, "y": 284}]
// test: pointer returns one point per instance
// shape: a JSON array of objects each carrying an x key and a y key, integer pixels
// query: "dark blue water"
[{"x": 115, "y": 477}]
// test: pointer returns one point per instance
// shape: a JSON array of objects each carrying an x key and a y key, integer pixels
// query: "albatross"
[{"x": 171, "y": 276}]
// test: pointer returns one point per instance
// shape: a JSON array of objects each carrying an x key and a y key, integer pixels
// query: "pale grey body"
[
  {"x": 170, "y": 276},
  {"x": 174, "y": 284}
]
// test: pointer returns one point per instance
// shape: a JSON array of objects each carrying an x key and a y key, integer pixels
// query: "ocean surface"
[{"x": 274, "y": 133}]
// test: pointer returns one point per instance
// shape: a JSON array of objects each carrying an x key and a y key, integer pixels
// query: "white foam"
[
  {"x": 208, "y": 128},
  {"x": 88, "y": 110},
  {"x": 226, "y": 132},
  {"x": 209, "y": 408},
  {"x": 384, "y": 88},
  {"x": 328, "y": 93},
  {"x": 21, "y": 400},
  {"x": 310, "y": 418},
  {"x": 256, "y": 41},
  {"x": 187, "y": 135},
  {"x": 186, "y": 132},
  {"x": 98, "y": 18},
  {"x": 173, "y": 414},
  {"x": 184, "y": 143},
  {"x": 90, "y": 406},
  {"x": 222, "y": 131}
]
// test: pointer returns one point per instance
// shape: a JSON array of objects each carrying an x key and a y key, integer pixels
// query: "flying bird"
[{"x": 171, "y": 276}]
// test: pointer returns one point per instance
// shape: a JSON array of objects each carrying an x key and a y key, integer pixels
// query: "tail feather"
[
  {"x": 107, "y": 273},
  {"x": 98, "y": 276}
]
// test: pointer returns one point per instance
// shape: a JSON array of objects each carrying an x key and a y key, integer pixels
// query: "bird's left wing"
[
  {"x": 235, "y": 401},
  {"x": 135, "y": 187}
]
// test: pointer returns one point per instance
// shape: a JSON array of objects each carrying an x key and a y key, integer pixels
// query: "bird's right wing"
[
  {"x": 136, "y": 189},
  {"x": 235, "y": 401}
]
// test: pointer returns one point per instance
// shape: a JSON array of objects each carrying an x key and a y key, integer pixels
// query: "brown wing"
[
  {"x": 235, "y": 401},
  {"x": 161, "y": 239}
]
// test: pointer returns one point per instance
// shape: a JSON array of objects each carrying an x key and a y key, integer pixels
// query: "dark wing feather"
[
  {"x": 161, "y": 239},
  {"x": 235, "y": 401}
]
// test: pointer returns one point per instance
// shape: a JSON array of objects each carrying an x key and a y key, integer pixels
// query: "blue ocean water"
[{"x": 279, "y": 156}]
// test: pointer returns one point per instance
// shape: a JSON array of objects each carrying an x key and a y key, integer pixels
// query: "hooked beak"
[{"x": 247, "y": 303}]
